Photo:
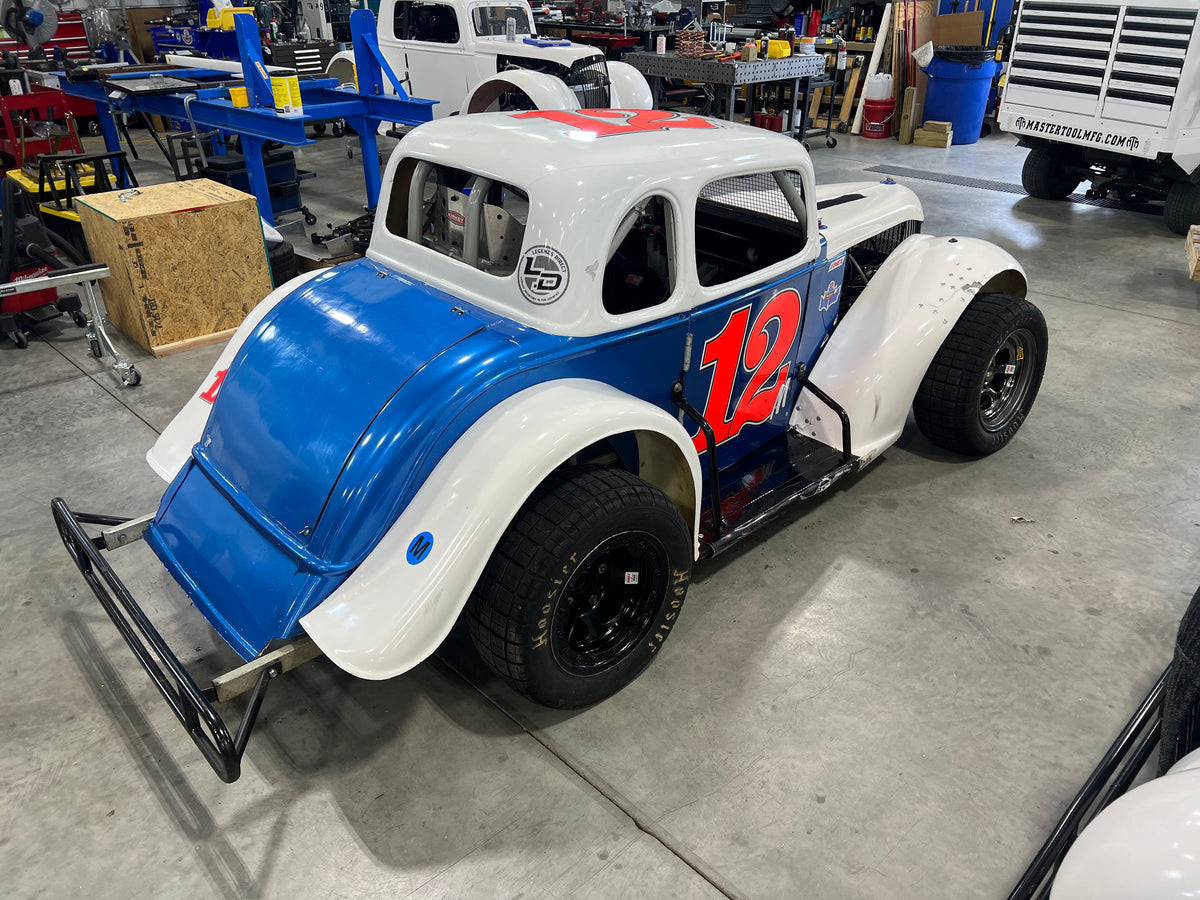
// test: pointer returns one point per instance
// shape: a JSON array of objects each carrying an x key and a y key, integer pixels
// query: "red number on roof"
[{"x": 605, "y": 122}]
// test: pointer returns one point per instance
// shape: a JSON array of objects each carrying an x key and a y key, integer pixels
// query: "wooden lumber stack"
[
  {"x": 934, "y": 134},
  {"x": 1193, "y": 252}
]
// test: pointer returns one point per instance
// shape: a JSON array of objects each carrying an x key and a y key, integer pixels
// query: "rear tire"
[
  {"x": 282, "y": 260},
  {"x": 1181, "y": 694},
  {"x": 1183, "y": 207},
  {"x": 984, "y": 379},
  {"x": 583, "y": 588},
  {"x": 1045, "y": 174}
]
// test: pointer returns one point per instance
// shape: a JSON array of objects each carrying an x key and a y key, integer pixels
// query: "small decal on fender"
[
  {"x": 419, "y": 549},
  {"x": 837, "y": 263},
  {"x": 830, "y": 296},
  {"x": 543, "y": 275}
]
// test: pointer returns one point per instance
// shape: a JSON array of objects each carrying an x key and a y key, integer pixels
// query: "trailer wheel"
[
  {"x": 1183, "y": 207},
  {"x": 984, "y": 379},
  {"x": 583, "y": 588},
  {"x": 1045, "y": 174}
]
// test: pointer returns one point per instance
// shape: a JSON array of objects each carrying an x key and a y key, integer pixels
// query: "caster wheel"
[
  {"x": 319, "y": 128},
  {"x": 843, "y": 127},
  {"x": 93, "y": 128},
  {"x": 805, "y": 145},
  {"x": 131, "y": 378},
  {"x": 309, "y": 218},
  {"x": 830, "y": 142},
  {"x": 20, "y": 338},
  {"x": 339, "y": 128},
  {"x": 96, "y": 351},
  {"x": 79, "y": 318}
]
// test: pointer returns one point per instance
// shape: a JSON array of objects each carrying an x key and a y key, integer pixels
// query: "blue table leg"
[{"x": 256, "y": 172}]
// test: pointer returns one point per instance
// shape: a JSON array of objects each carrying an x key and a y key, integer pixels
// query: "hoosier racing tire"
[
  {"x": 982, "y": 383},
  {"x": 584, "y": 587}
]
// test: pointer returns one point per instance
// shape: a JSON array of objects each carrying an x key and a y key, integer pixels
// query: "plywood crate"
[
  {"x": 187, "y": 261},
  {"x": 1193, "y": 252}
]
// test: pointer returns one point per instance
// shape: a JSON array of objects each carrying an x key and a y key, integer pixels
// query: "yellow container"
[
  {"x": 239, "y": 97},
  {"x": 293, "y": 83},
  {"x": 778, "y": 49},
  {"x": 279, "y": 89}
]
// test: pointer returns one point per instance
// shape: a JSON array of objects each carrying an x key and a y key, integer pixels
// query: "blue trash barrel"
[{"x": 960, "y": 80}]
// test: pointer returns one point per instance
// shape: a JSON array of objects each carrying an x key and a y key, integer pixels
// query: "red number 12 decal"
[
  {"x": 210, "y": 395},
  {"x": 766, "y": 359}
]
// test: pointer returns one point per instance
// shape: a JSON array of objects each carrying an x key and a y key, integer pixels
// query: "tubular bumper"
[{"x": 192, "y": 706}]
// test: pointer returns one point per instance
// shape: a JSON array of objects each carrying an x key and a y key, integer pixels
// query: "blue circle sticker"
[{"x": 419, "y": 548}]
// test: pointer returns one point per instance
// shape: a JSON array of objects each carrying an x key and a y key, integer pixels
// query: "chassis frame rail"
[{"x": 193, "y": 707}]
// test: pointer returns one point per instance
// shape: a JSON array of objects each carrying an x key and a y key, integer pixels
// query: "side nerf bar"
[{"x": 193, "y": 707}]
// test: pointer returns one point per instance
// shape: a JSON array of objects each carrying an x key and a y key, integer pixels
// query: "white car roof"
[{"x": 582, "y": 171}]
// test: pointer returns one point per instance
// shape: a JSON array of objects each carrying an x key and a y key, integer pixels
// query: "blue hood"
[{"x": 298, "y": 398}]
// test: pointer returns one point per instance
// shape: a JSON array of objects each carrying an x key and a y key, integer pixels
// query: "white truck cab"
[{"x": 481, "y": 55}]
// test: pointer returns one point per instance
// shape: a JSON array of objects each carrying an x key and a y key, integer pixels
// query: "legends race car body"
[{"x": 584, "y": 349}]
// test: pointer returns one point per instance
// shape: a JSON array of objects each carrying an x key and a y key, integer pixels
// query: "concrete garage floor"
[{"x": 893, "y": 693}]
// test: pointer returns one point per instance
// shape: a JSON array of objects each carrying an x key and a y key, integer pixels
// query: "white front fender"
[
  {"x": 390, "y": 614},
  {"x": 877, "y": 356},
  {"x": 175, "y": 444},
  {"x": 545, "y": 91},
  {"x": 628, "y": 88}
]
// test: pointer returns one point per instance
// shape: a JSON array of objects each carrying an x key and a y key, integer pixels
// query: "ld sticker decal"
[{"x": 543, "y": 275}]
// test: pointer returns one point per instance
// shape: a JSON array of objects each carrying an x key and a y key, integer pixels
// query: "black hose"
[
  {"x": 42, "y": 255},
  {"x": 68, "y": 249}
]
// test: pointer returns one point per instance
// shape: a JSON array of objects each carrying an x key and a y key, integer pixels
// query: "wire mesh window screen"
[{"x": 757, "y": 193}]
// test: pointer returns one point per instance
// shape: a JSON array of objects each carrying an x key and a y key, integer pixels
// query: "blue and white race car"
[{"x": 584, "y": 350}]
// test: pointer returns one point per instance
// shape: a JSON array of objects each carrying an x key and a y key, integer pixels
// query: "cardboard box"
[
  {"x": 923, "y": 138},
  {"x": 187, "y": 261}
]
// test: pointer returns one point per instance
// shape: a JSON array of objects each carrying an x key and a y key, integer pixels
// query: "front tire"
[
  {"x": 584, "y": 587},
  {"x": 982, "y": 383},
  {"x": 1182, "y": 209},
  {"x": 1046, "y": 175}
]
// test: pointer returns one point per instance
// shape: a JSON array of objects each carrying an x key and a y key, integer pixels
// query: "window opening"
[
  {"x": 641, "y": 261},
  {"x": 459, "y": 214},
  {"x": 747, "y": 223}
]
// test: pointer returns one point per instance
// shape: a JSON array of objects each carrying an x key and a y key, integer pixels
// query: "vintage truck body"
[
  {"x": 461, "y": 54},
  {"x": 584, "y": 349}
]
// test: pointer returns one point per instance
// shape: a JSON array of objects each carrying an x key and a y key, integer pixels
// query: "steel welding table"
[
  {"x": 732, "y": 74},
  {"x": 200, "y": 96}
]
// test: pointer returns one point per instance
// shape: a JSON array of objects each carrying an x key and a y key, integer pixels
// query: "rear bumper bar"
[{"x": 192, "y": 706}]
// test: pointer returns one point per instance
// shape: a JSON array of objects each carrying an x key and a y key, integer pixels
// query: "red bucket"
[{"x": 877, "y": 118}]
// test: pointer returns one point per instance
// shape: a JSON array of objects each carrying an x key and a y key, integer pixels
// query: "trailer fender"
[
  {"x": 174, "y": 445},
  {"x": 877, "y": 356},
  {"x": 628, "y": 88},
  {"x": 397, "y": 607},
  {"x": 544, "y": 91}
]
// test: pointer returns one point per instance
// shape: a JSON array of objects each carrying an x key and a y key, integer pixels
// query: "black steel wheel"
[
  {"x": 584, "y": 587},
  {"x": 982, "y": 383},
  {"x": 1047, "y": 174},
  {"x": 1182, "y": 209}
]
